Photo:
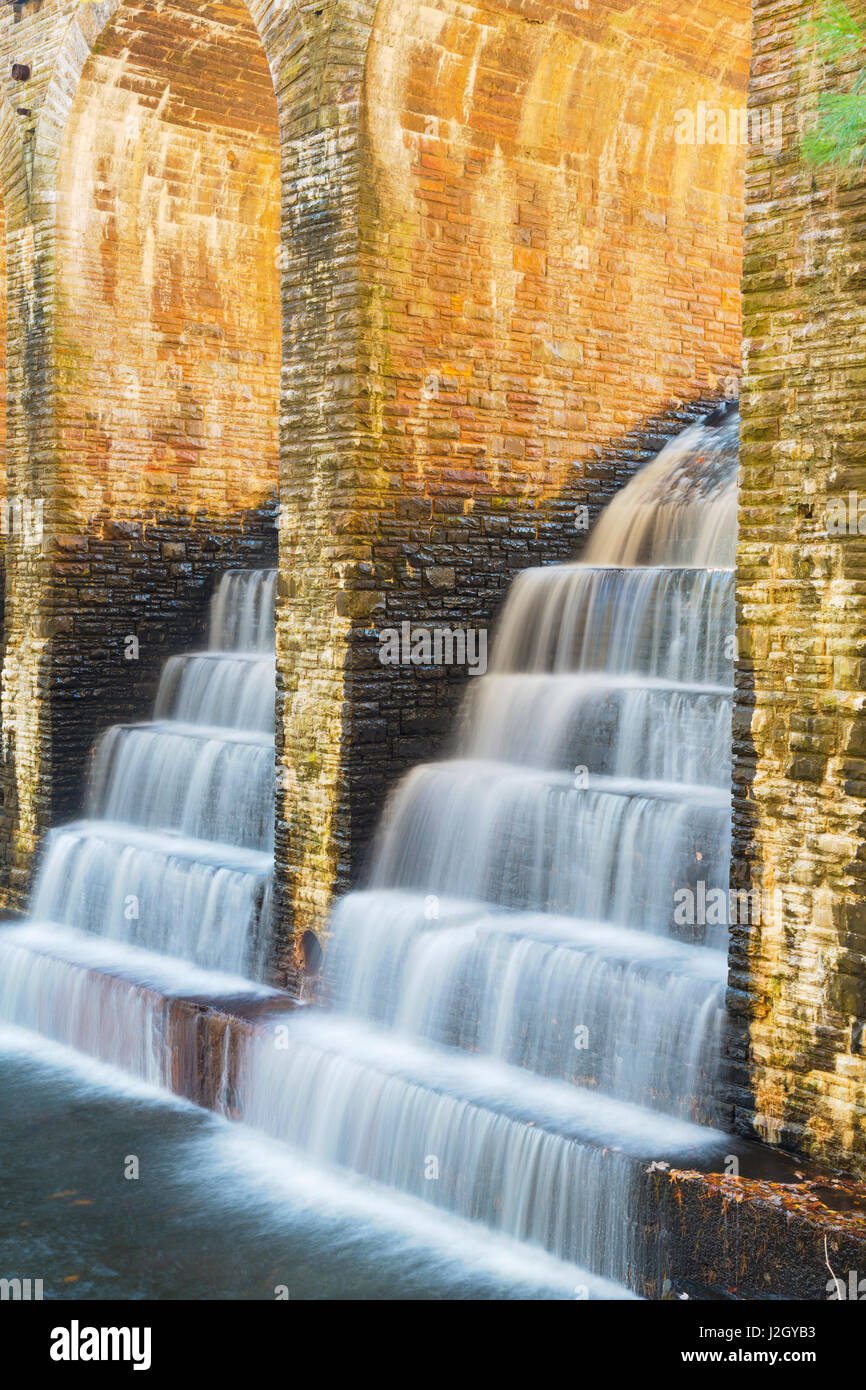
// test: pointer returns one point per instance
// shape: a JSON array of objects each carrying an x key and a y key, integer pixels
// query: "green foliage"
[
  {"x": 836, "y": 31},
  {"x": 837, "y": 136}
]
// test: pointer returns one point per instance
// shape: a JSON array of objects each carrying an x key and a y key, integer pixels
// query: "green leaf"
[
  {"x": 838, "y": 134},
  {"x": 836, "y": 32}
]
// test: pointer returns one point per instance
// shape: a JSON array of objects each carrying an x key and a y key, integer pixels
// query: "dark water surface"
[{"x": 216, "y": 1213}]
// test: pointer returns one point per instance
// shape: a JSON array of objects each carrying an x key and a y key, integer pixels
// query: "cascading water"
[
  {"x": 165, "y": 889},
  {"x": 681, "y": 509},
  {"x": 515, "y": 1021}
]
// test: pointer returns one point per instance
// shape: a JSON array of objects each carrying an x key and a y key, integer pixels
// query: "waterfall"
[
  {"x": 681, "y": 509},
  {"x": 210, "y": 784},
  {"x": 521, "y": 1011},
  {"x": 516, "y": 1020},
  {"x": 242, "y": 612},
  {"x": 166, "y": 887}
]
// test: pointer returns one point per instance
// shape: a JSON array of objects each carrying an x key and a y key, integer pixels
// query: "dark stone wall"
[
  {"x": 744, "y": 1238},
  {"x": 438, "y": 565},
  {"x": 153, "y": 580}
]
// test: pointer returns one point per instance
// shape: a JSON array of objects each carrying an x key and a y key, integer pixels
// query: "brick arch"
[
  {"x": 451, "y": 383},
  {"x": 545, "y": 280},
  {"x": 58, "y": 690},
  {"x": 159, "y": 181},
  {"x": 280, "y": 28},
  {"x": 315, "y": 58}
]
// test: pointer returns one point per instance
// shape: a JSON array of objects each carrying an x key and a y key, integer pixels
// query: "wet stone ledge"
[
  {"x": 727, "y": 1237},
  {"x": 206, "y": 1043}
]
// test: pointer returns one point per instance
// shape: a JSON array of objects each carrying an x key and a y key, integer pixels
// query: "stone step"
[
  {"x": 614, "y": 726},
  {"x": 672, "y": 623},
  {"x": 173, "y": 844},
  {"x": 160, "y": 1019},
  {"x": 636, "y": 1015},
  {"x": 221, "y": 689},
  {"x": 613, "y": 850},
  {"x": 193, "y": 899},
  {"x": 214, "y": 784}
]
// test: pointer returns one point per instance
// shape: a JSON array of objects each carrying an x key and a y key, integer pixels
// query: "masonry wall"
[
  {"x": 502, "y": 283},
  {"x": 798, "y": 981},
  {"x": 4, "y": 526},
  {"x": 3, "y": 311},
  {"x": 25, "y": 753}
]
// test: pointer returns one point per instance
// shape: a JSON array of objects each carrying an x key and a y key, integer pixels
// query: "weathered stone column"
[
  {"x": 324, "y": 545},
  {"x": 798, "y": 977},
  {"x": 29, "y": 487}
]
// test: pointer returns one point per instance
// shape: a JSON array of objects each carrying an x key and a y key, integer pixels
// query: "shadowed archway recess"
[
  {"x": 548, "y": 285},
  {"x": 167, "y": 355}
]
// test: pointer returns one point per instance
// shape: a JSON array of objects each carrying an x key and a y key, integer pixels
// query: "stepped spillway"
[
  {"x": 515, "y": 1021},
  {"x": 175, "y": 858},
  {"x": 515, "y": 1024}
]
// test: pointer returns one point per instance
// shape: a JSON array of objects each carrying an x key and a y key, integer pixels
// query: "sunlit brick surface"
[{"x": 799, "y": 985}]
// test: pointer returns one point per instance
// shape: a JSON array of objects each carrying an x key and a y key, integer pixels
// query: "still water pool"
[{"x": 216, "y": 1213}]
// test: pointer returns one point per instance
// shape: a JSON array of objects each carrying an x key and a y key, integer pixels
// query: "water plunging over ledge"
[
  {"x": 514, "y": 1022},
  {"x": 176, "y": 855}
]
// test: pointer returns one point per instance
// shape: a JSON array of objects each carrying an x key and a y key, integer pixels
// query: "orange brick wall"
[
  {"x": 550, "y": 262},
  {"x": 168, "y": 337}
]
